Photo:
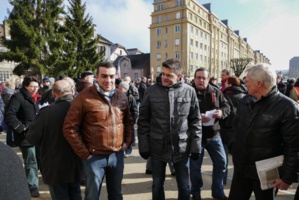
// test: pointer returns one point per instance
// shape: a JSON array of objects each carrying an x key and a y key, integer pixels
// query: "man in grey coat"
[{"x": 169, "y": 129}]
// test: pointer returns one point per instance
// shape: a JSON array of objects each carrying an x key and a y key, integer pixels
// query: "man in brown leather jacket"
[{"x": 99, "y": 128}]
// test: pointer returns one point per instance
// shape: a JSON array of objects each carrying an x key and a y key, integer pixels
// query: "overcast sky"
[{"x": 271, "y": 26}]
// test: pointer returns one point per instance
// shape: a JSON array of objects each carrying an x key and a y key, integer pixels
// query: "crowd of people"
[{"x": 74, "y": 132}]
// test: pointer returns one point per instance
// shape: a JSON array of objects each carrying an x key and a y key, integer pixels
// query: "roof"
[
  {"x": 116, "y": 45},
  {"x": 104, "y": 40}
]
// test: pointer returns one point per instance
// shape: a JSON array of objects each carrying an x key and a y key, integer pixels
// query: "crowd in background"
[{"x": 66, "y": 129}]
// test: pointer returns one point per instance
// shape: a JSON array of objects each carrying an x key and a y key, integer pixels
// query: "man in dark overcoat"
[{"x": 61, "y": 168}]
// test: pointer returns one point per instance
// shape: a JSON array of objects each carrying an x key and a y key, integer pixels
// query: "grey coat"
[{"x": 169, "y": 124}]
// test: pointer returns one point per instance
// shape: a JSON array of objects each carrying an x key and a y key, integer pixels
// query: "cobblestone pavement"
[{"x": 137, "y": 184}]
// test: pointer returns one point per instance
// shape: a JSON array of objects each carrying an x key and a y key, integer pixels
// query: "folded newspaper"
[{"x": 267, "y": 171}]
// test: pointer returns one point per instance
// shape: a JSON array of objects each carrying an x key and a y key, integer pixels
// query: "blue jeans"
[
  {"x": 217, "y": 154},
  {"x": 66, "y": 191},
  {"x": 182, "y": 178},
  {"x": 31, "y": 168},
  {"x": 149, "y": 165},
  {"x": 129, "y": 150},
  {"x": 98, "y": 166}
]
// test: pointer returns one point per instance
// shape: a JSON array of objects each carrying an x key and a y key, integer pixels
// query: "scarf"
[{"x": 36, "y": 97}]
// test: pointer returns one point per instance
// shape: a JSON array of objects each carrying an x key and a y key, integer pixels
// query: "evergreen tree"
[
  {"x": 81, "y": 50},
  {"x": 51, "y": 29},
  {"x": 36, "y": 43},
  {"x": 24, "y": 45}
]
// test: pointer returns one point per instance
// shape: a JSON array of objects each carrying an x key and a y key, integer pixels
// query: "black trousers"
[{"x": 242, "y": 187}]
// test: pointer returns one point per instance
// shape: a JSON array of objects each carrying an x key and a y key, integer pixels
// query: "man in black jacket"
[
  {"x": 266, "y": 126},
  {"x": 60, "y": 165},
  {"x": 210, "y": 100},
  {"x": 169, "y": 129}
]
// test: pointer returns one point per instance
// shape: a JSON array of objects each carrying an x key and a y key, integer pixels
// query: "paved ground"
[{"x": 137, "y": 185}]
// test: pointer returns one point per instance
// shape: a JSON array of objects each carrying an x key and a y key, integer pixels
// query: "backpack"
[{"x": 134, "y": 92}]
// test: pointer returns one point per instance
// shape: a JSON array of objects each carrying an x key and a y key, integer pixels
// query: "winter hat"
[
  {"x": 125, "y": 85},
  {"x": 46, "y": 79}
]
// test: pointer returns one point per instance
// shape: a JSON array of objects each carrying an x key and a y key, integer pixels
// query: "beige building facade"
[{"x": 190, "y": 32}]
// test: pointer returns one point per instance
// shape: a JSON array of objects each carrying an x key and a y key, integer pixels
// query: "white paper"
[
  {"x": 267, "y": 171},
  {"x": 44, "y": 105},
  {"x": 209, "y": 114}
]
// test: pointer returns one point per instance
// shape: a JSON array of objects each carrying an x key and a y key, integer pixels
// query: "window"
[
  {"x": 196, "y": 56},
  {"x": 191, "y": 29},
  {"x": 126, "y": 74},
  {"x": 166, "y": 30},
  {"x": 191, "y": 68},
  {"x": 190, "y": 16},
  {"x": 160, "y": 7},
  {"x": 135, "y": 76},
  {"x": 158, "y": 44},
  {"x": 196, "y": 31},
  {"x": 191, "y": 55},
  {"x": 121, "y": 52},
  {"x": 177, "y": 42},
  {"x": 159, "y": 69},
  {"x": 177, "y": 28},
  {"x": 158, "y": 31},
  {"x": 178, "y": 2},
  {"x": 191, "y": 42},
  {"x": 178, "y": 15},
  {"x": 158, "y": 56},
  {"x": 196, "y": 43},
  {"x": 159, "y": 19},
  {"x": 166, "y": 18},
  {"x": 177, "y": 55},
  {"x": 166, "y": 43},
  {"x": 201, "y": 45},
  {"x": 166, "y": 56},
  {"x": 5, "y": 74}
]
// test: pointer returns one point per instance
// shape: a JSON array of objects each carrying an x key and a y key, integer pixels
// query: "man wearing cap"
[
  {"x": 46, "y": 92},
  {"x": 87, "y": 79}
]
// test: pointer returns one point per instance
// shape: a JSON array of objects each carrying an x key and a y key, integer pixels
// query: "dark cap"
[
  {"x": 46, "y": 79},
  {"x": 86, "y": 73}
]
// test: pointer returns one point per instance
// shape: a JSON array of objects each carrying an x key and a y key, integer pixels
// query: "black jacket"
[
  {"x": 209, "y": 99},
  {"x": 141, "y": 90},
  {"x": 20, "y": 113},
  {"x": 59, "y": 163},
  {"x": 169, "y": 124},
  {"x": 264, "y": 129},
  {"x": 233, "y": 94}
]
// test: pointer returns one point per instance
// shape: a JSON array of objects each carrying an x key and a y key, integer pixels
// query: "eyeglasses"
[{"x": 32, "y": 86}]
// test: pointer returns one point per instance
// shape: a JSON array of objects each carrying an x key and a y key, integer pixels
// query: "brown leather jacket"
[{"x": 93, "y": 126}]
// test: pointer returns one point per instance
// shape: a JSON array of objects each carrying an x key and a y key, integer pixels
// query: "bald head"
[{"x": 61, "y": 88}]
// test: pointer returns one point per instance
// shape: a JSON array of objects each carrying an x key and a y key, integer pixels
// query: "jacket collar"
[
  {"x": 209, "y": 89},
  {"x": 67, "y": 97},
  {"x": 26, "y": 94}
]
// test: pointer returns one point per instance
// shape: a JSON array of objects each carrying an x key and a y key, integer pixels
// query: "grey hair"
[{"x": 263, "y": 72}]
